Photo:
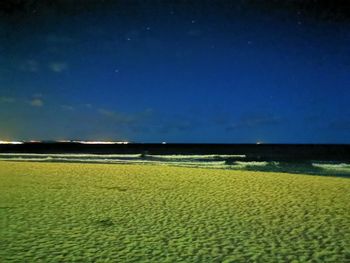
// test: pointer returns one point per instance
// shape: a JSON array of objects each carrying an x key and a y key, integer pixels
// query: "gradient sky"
[{"x": 175, "y": 71}]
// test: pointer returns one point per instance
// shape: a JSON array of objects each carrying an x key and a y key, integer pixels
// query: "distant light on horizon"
[
  {"x": 10, "y": 142},
  {"x": 65, "y": 141},
  {"x": 101, "y": 142}
]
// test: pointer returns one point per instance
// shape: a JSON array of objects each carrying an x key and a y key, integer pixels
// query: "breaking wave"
[{"x": 234, "y": 162}]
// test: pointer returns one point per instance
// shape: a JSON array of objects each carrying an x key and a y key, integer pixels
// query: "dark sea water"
[{"x": 332, "y": 160}]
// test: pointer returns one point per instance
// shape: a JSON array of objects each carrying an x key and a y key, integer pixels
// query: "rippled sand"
[{"x": 65, "y": 212}]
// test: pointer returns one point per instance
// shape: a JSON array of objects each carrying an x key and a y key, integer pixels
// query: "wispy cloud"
[
  {"x": 36, "y": 102},
  {"x": 117, "y": 117},
  {"x": 194, "y": 33},
  {"x": 58, "y": 67},
  {"x": 59, "y": 39},
  {"x": 176, "y": 126},
  {"x": 67, "y": 107},
  {"x": 29, "y": 65},
  {"x": 4, "y": 99},
  {"x": 126, "y": 119},
  {"x": 254, "y": 122}
]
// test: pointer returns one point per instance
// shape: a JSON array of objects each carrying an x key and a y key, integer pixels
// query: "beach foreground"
[{"x": 66, "y": 212}]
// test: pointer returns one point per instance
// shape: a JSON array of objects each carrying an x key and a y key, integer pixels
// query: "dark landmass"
[{"x": 253, "y": 152}]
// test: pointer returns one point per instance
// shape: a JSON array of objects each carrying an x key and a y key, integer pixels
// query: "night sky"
[{"x": 175, "y": 71}]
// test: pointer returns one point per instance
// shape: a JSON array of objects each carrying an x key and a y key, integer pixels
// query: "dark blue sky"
[{"x": 175, "y": 71}]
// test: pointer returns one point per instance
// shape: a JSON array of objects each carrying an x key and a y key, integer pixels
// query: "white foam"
[{"x": 333, "y": 166}]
